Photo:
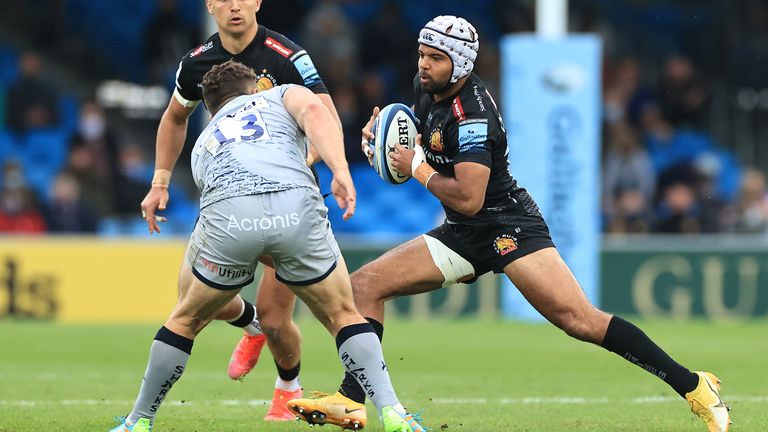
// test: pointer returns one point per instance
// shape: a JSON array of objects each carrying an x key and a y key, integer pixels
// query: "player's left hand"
[
  {"x": 405, "y": 160},
  {"x": 156, "y": 199},
  {"x": 343, "y": 191}
]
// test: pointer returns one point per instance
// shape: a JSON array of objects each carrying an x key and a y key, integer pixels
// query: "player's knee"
[
  {"x": 363, "y": 285},
  {"x": 272, "y": 320},
  {"x": 579, "y": 325},
  {"x": 187, "y": 325},
  {"x": 272, "y": 332}
]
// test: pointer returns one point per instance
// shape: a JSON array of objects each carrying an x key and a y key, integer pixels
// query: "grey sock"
[
  {"x": 360, "y": 353},
  {"x": 165, "y": 366}
]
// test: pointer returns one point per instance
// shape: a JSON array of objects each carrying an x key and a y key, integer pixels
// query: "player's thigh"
[
  {"x": 198, "y": 303},
  {"x": 404, "y": 270},
  {"x": 222, "y": 254},
  {"x": 330, "y": 299},
  {"x": 274, "y": 300},
  {"x": 544, "y": 279}
]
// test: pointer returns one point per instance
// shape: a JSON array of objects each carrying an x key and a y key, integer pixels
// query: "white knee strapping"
[{"x": 452, "y": 265}]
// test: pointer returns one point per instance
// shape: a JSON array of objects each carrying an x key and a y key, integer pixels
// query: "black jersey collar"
[{"x": 261, "y": 36}]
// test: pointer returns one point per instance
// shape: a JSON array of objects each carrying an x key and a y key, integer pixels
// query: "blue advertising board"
[{"x": 551, "y": 107}]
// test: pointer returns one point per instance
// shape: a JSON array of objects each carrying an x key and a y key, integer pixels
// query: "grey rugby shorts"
[{"x": 291, "y": 226}]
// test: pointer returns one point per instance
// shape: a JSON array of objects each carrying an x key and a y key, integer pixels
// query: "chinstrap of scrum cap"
[{"x": 457, "y": 38}]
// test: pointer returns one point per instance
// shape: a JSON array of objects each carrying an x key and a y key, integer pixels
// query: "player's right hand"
[
  {"x": 156, "y": 199},
  {"x": 368, "y": 136},
  {"x": 343, "y": 191}
]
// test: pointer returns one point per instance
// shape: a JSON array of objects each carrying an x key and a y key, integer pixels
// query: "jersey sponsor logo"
[
  {"x": 436, "y": 140},
  {"x": 472, "y": 135},
  {"x": 307, "y": 70},
  {"x": 265, "y": 80},
  {"x": 278, "y": 47},
  {"x": 505, "y": 244},
  {"x": 478, "y": 97},
  {"x": 223, "y": 271},
  {"x": 438, "y": 159},
  {"x": 201, "y": 49},
  {"x": 457, "y": 109},
  {"x": 263, "y": 224}
]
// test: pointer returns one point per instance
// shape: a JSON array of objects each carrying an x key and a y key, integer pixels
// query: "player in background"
[
  {"x": 259, "y": 201},
  {"x": 276, "y": 60},
  {"x": 492, "y": 224}
]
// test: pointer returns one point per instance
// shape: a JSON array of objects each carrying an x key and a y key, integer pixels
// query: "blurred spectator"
[
  {"x": 629, "y": 180},
  {"x": 93, "y": 158},
  {"x": 332, "y": 42},
  {"x": 348, "y": 107},
  {"x": 668, "y": 145},
  {"x": 31, "y": 102},
  {"x": 66, "y": 212},
  {"x": 133, "y": 180},
  {"x": 749, "y": 214},
  {"x": 372, "y": 94},
  {"x": 624, "y": 92},
  {"x": 678, "y": 211},
  {"x": 400, "y": 55},
  {"x": 18, "y": 206},
  {"x": 167, "y": 38},
  {"x": 682, "y": 95},
  {"x": 685, "y": 206},
  {"x": 283, "y": 16},
  {"x": 630, "y": 213}
]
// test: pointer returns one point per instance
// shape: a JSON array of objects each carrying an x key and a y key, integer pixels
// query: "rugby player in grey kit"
[{"x": 258, "y": 201}]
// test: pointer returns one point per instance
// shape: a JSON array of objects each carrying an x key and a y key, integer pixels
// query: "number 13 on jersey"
[{"x": 237, "y": 128}]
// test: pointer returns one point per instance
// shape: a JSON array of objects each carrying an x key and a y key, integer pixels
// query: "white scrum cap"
[{"x": 457, "y": 38}]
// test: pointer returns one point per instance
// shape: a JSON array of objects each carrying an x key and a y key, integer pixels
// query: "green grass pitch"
[{"x": 471, "y": 376}]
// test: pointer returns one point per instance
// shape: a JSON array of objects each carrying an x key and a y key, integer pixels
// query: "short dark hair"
[{"x": 226, "y": 80}]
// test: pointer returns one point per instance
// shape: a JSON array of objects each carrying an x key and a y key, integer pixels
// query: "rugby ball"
[{"x": 395, "y": 124}]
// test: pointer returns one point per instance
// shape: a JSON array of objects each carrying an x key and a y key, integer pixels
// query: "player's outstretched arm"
[
  {"x": 313, "y": 155},
  {"x": 171, "y": 134},
  {"x": 318, "y": 125}
]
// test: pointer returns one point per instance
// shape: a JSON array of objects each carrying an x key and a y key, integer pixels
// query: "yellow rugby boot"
[
  {"x": 706, "y": 403},
  {"x": 324, "y": 408}
]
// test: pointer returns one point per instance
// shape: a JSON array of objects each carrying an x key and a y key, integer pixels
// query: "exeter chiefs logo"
[
  {"x": 505, "y": 244},
  {"x": 436, "y": 140},
  {"x": 265, "y": 80}
]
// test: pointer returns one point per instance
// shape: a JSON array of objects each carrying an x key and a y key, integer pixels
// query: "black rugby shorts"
[{"x": 490, "y": 247}]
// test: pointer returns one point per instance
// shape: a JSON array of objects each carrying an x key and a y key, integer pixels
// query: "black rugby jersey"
[
  {"x": 275, "y": 59},
  {"x": 466, "y": 127}
]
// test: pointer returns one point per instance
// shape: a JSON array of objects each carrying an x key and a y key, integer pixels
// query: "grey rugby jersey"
[{"x": 251, "y": 146}]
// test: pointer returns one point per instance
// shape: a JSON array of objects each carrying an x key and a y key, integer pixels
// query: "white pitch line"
[
  {"x": 97, "y": 376},
  {"x": 531, "y": 400}
]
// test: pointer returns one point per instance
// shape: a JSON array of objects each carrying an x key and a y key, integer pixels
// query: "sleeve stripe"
[
  {"x": 183, "y": 101},
  {"x": 178, "y": 72},
  {"x": 297, "y": 54}
]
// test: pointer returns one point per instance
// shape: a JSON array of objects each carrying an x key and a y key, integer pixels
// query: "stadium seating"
[
  {"x": 382, "y": 209},
  {"x": 43, "y": 153}
]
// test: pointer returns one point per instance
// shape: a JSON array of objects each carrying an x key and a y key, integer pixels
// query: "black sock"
[
  {"x": 628, "y": 341},
  {"x": 288, "y": 374},
  {"x": 249, "y": 313},
  {"x": 349, "y": 386},
  {"x": 377, "y": 327}
]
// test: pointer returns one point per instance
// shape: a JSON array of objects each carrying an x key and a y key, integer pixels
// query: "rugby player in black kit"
[
  {"x": 276, "y": 60},
  {"x": 492, "y": 224}
]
